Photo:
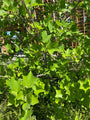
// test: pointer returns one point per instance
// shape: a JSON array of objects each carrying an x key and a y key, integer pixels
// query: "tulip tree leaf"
[
  {"x": 34, "y": 100},
  {"x": 14, "y": 84},
  {"x": 29, "y": 81}
]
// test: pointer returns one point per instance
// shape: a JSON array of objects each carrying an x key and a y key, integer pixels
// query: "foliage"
[{"x": 43, "y": 77}]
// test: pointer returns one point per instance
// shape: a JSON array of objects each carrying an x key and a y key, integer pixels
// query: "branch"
[
  {"x": 4, "y": 76},
  {"x": 73, "y": 9},
  {"x": 41, "y": 75},
  {"x": 76, "y": 5},
  {"x": 28, "y": 12},
  {"x": 26, "y": 9}
]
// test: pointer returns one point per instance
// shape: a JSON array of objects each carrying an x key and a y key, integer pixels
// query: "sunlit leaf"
[
  {"x": 45, "y": 37},
  {"x": 76, "y": 118},
  {"x": 7, "y": 2},
  {"x": 3, "y": 12},
  {"x": 20, "y": 96},
  {"x": 29, "y": 81},
  {"x": 50, "y": 26},
  {"x": 39, "y": 91},
  {"x": 58, "y": 94},
  {"x": 14, "y": 84},
  {"x": 34, "y": 100},
  {"x": 26, "y": 106}
]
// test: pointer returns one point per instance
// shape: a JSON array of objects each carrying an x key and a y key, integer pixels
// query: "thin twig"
[
  {"x": 4, "y": 76},
  {"x": 28, "y": 12},
  {"x": 76, "y": 5},
  {"x": 73, "y": 9},
  {"x": 41, "y": 75},
  {"x": 26, "y": 9}
]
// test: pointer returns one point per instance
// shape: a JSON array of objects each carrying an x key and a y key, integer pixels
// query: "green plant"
[{"x": 43, "y": 77}]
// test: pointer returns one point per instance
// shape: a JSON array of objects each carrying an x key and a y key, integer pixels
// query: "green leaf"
[
  {"x": 28, "y": 96},
  {"x": 11, "y": 16},
  {"x": 20, "y": 96},
  {"x": 62, "y": 3},
  {"x": 26, "y": 106},
  {"x": 51, "y": 51},
  {"x": 61, "y": 48},
  {"x": 68, "y": 52},
  {"x": 8, "y": 46},
  {"x": 37, "y": 25},
  {"x": 29, "y": 81},
  {"x": 27, "y": 2},
  {"x": 58, "y": 94},
  {"x": 11, "y": 99},
  {"x": 45, "y": 37},
  {"x": 27, "y": 115},
  {"x": 38, "y": 91},
  {"x": 54, "y": 67},
  {"x": 7, "y": 2},
  {"x": 58, "y": 23},
  {"x": 54, "y": 46},
  {"x": 13, "y": 84},
  {"x": 3, "y": 12},
  {"x": 76, "y": 118},
  {"x": 34, "y": 100},
  {"x": 1, "y": 92},
  {"x": 50, "y": 26},
  {"x": 84, "y": 85},
  {"x": 33, "y": 2},
  {"x": 36, "y": 4}
]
